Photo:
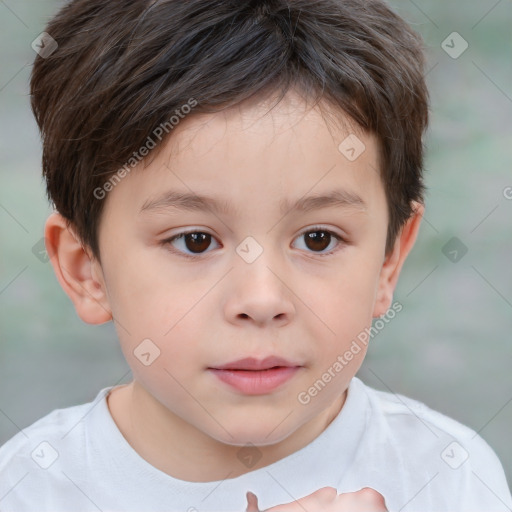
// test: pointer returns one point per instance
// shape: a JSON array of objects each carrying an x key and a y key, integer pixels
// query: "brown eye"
[
  {"x": 319, "y": 240},
  {"x": 189, "y": 244},
  {"x": 197, "y": 242},
  {"x": 193, "y": 244}
]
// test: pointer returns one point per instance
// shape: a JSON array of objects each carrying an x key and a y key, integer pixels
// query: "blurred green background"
[{"x": 450, "y": 346}]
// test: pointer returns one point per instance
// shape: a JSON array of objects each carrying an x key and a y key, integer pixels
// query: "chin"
[{"x": 258, "y": 434}]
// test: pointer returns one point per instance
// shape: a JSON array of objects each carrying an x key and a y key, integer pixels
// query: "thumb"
[{"x": 252, "y": 502}]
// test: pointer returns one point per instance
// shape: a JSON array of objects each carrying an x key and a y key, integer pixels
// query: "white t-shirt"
[{"x": 76, "y": 459}]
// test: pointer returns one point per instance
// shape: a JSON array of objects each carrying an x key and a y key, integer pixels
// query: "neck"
[{"x": 184, "y": 452}]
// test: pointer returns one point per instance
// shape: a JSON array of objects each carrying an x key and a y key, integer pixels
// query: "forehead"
[
  {"x": 267, "y": 113},
  {"x": 277, "y": 152}
]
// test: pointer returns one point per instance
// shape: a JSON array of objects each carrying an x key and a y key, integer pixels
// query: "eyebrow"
[{"x": 194, "y": 202}]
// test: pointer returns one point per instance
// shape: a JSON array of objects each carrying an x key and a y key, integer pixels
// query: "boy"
[{"x": 255, "y": 130}]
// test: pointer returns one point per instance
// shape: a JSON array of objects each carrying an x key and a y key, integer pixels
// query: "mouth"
[
  {"x": 251, "y": 363},
  {"x": 256, "y": 377}
]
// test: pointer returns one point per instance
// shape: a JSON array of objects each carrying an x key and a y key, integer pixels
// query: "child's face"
[{"x": 292, "y": 301}]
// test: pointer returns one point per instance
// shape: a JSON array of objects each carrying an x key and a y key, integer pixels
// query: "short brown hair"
[{"x": 122, "y": 68}]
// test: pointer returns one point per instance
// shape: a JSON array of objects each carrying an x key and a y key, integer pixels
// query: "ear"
[
  {"x": 77, "y": 271},
  {"x": 395, "y": 259}
]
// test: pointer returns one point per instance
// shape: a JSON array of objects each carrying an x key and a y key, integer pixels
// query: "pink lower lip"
[{"x": 258, "y": 382}]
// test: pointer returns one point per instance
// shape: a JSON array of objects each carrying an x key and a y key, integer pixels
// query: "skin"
[
  {"x": 327, "y": 499},
  {"x": 292, "y": 301}
]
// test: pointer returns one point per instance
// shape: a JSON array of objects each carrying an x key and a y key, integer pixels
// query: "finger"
[
  {"x": 252, "y": 502},
  {"x": 364, "y": 500}
]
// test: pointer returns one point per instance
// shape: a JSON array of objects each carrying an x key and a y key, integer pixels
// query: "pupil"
[
  {"x": 315, "y": 240},
  {"x": 318, "y": 242},
  {"x": 198, "y": 241}
]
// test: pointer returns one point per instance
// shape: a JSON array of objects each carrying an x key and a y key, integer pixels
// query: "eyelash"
[{"x": 168, "y": 241}]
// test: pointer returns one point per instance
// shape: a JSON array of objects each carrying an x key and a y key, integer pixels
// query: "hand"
[{"x": 327, "y": 499}]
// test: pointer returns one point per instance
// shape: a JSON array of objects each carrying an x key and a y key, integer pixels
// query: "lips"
[
  {"x": 250, "y": 363},
  {"x": 251, "y": 376}
]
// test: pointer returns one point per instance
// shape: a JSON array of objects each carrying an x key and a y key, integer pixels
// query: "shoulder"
[
  {"x": 413, "y": 422},
  {"x": 432, "y": 447},
  {"x": 53, "y": 425},
  {"x": 410, "y": 417},
  {"x": 33, "y": 457},
  {"x": 56, "y": 425}
]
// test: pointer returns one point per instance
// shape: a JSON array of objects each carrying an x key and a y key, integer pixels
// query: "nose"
[{"x": 259, "y": 295}]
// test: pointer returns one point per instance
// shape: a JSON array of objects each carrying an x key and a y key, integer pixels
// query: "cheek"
[
  {"x": 152, "y": 298},
  {"x": 345, "y": 302},
  {"x": 164, "y": 359},
  {"x": 150, "y": 305}
]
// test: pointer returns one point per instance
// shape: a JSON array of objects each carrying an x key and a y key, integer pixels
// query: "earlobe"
[
  {"x": 394, "y": 261},
  {"x": 77, "y": 272}
]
